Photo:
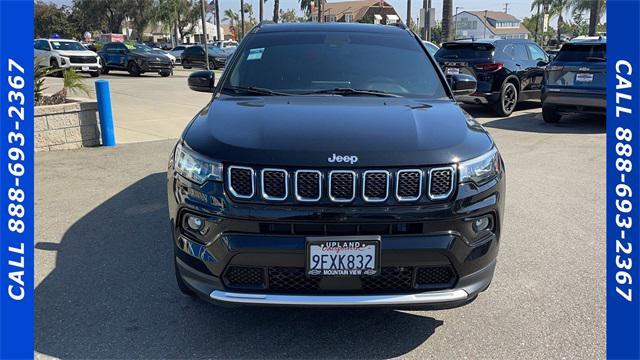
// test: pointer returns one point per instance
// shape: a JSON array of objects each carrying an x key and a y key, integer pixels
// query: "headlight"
[
  {"x": 195, "y": 167},
  {"x": 481, "y": 169}
]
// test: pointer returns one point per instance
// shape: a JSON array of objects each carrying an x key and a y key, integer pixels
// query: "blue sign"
[
  {"x": 16, "y": 179},
  {"x": 623, "y": 180}
]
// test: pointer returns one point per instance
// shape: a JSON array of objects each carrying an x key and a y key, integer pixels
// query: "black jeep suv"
[
  {"x": 507, "y": 70},
  {"x": 332, "y": 167}
]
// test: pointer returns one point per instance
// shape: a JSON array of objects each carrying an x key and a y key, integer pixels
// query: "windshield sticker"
[
  {"x": 255, "y": 54},
  {"x": 129, "y": 46},
  {"x": 55, "y": 43}
]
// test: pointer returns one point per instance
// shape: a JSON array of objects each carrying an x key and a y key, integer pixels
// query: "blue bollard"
[{"x": 106, "y": 116}]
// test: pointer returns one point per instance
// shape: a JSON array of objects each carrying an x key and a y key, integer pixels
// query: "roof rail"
[
  {"x": 259, "y": 25},
  {"x": 399, "y": 24}
]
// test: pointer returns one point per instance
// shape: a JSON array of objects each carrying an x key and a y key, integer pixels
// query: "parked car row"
[{"x": 508, "y": 71}]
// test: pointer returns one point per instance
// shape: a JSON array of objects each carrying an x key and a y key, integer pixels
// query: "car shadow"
[
  {"x": 570, "y": 124},
  {"x": 486, "y": 111},
  {"x": 112, "y": 294}
]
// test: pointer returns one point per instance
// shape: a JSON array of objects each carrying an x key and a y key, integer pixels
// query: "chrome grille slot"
[
  {"x": 342, "y": 185},
  {"x": 375, "y": 185},
  {"x": 441, "y": 182},
  {"x": 308, "y": 185},
  {"x": 408, "y": 185},
  {"x": 274, "y": 184},
  {"x": 241, "y": 183}
]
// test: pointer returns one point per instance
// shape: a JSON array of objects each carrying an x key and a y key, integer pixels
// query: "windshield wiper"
[
  {"x": 350, "y": 91},
  {"x": 255, "y": 90},
  {"x": 595, "y": 58}
]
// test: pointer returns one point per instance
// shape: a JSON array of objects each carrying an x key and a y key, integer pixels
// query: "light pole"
[
  {"x": 455, "y": 23},
  {"x": 204, "y": 35},
  {"x": 261, "y": 10},
  {"x": 242, "y": 16},
  {"x": 218, "y": 20},
  {"x": 485, "y": 25}
]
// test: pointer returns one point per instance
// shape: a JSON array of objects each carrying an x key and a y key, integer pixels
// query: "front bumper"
[{"x": 272, "y": 237}]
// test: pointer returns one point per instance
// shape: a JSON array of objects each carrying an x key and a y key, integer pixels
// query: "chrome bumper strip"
[{"x": 431, "y": 297}]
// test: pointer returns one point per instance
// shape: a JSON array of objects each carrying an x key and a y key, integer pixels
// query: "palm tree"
[
  {"x": 556, "y": 8},
  {"x": 306, "y": 6},
  {"x": 596, "y": 8},
  {"x": 447, "y": 19},
  {"x": 231, "y": 16},
  {"x": 276, "y": 10}
]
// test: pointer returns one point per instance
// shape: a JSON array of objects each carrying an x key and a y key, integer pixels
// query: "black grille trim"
[
  {"x": 368, "y": 188},
  {"x": 271, "y": 183},
  {"x": 308, "y": 182},
  {"x": 231, "y": 179},
  {"x": 439, "y": 178},
  {"x": 293, "y": 280},
  {"x": 332, "y": 186},
  {"x": 401, "y": 193}
]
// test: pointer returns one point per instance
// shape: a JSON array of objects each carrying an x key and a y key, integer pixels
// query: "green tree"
[
  {"x": 142, "y": 13},
  {"x": 288, "y": 16},
  {"x": 50, "y": 18},
  {"x": 596, "y": 9},
  {"x": 556, "y": 9},
  {"x": 180, "y": 15},
  {"x": 106, "y": 14},
  {"x": 307, "y": 6},
  {"x": 231, "y": 16}
]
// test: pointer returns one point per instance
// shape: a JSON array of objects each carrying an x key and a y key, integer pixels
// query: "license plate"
[
  {"x": 343, "y": 256},
  {"x": 453, "y": 71},
  {"x": 582, "y": 77},
  {"x": 85, "y": 68}
]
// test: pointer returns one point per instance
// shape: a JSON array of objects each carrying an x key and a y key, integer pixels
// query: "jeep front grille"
[
  {"x": 308, "y": 185},
  {"x": 342, "y": 185},
  {"x": 394, "y": 186},
  {"x": 409, "y": 185},
  {"x": 274, "y": 184},
  {"x": 441, "y": 182},
  {"x": 241, "y": 182}
]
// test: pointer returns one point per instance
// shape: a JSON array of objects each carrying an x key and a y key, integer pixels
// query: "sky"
[{"x": 518, "y": 8}]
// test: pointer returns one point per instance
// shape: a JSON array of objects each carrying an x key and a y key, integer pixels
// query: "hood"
[
  {"x": 150, "y": 55},
  {"x": 308, "y": 130},
  {"x": 76, "y": 53}
]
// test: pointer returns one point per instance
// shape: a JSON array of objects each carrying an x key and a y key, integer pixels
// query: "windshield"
[
  {"x": 582, "y": 53},
  {"x": 67, "y": 45},
  {"x": 139, "y": 47},
  {"x": 310, "y": 62},
  {"x": 465, "y": 51}
]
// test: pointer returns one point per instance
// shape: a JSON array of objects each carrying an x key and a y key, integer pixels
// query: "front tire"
[
  {"x": 105, "y": 69},
  {"x": 94, "y": 73},
  {"x": 550, "y": 115},
  {"x": 507, "y": 100},
  {"x": 165, "y": 73},
  {"x": 55, "y": 68},
  {"x": 134, "y": 69}
]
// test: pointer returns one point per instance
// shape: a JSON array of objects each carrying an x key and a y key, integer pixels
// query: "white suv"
[{"x": 66, "y": 54}]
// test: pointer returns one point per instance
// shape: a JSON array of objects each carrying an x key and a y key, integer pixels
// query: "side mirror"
[
  {"x": 542, "y": 63},
  {"x": 202, "y": 81},
  {"x": 462, "y": 84}
]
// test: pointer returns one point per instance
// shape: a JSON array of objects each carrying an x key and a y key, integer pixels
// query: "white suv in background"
[{"x": 66, "y": 54}]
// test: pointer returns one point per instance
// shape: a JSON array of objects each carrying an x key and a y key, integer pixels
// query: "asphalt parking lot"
[
  {"x": 105, "y": 286},
  {"x": 148, "y": 107}
]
